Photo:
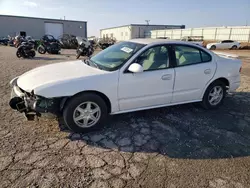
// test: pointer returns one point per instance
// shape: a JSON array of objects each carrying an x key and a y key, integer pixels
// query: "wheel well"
[
  {"x": 224, "y": 80},
  {"x": 103, "y": 96}
]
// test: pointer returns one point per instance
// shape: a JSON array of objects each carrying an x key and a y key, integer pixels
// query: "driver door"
[{"x": 153, "y": 86}]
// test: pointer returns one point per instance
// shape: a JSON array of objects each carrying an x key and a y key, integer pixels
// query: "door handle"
[
  {"x": 207, "y": 71},
  {"x": 166, "y": 77}
]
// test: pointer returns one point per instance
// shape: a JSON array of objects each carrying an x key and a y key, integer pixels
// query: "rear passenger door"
[{"x": 194, "y": 68}]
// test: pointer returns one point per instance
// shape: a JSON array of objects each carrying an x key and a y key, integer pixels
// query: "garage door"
[{"x": 55, "y": 29}]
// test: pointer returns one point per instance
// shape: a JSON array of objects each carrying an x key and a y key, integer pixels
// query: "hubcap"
[
  {"x": 87, "y": 114},
  {"x": 215, "y": 95}
]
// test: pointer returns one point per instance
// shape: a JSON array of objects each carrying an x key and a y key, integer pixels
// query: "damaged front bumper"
[{"x": 31, "y": 105}]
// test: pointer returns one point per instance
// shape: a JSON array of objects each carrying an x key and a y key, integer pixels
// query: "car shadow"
[{"x": 184, "y": 131}]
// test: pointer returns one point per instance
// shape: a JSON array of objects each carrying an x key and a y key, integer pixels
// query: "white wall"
[
  {"x": 240, "y": 33},
  {"x": 120, "y": 33},
  {"x": 139, "y": 31},
  {"x": 132, "y": 31}
]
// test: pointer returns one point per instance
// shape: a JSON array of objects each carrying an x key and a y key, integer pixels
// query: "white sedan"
[
  {"x": 129, "y": 76},
  {"x": 225, "y": 44}
]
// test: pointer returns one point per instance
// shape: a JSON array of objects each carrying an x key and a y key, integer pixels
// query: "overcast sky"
[{"x": 108, "y": 13}]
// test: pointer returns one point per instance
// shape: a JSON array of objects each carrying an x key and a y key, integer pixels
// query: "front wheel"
[
  {"x": 85, "y": 112},
  {"x": 41, "y": 50},
  {"x": 214, "y": 95}
]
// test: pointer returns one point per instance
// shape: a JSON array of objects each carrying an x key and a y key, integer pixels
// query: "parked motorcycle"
[
  {"x": 49, "y": 44},
  {"x": 26, "y": 50},
  {"x": 68, "y": 41},
  {"x": 4, "y": 41},
  {"x": 84, "y": 47}
]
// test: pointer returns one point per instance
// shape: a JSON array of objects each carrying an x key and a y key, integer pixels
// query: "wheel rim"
[
  {"x": 87, "y": 114},
  {"x": 215, "y": 95}
]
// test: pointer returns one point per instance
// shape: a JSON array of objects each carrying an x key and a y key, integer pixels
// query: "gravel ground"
[{"x": 182, "y": 146}]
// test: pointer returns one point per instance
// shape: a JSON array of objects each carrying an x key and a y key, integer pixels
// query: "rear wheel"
[
  {"x": 214, "y": 95},
  {"x": 213, "y": 47},
  {"x": 32, "y": 53},
  {"x": 85, "y": 112},
  {"x": 234, "y": 47}
]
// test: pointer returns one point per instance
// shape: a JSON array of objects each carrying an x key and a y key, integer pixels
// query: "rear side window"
[
  {"x": 227, "y": 41},
  {"x": 187, "y": 55},
  {"x": 205, "y": 57}
]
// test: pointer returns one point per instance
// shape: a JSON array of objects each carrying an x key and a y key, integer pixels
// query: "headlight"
[{"x": 13, "y": 82}]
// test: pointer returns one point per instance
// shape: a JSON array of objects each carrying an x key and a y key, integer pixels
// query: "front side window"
[
  {"x": 115, "y": 56},
  {"x": 186, "y": 55},
  {"x": 155, "y": 58}
]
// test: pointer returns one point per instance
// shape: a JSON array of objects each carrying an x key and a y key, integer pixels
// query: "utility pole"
[
  {"x": 248, "y": 9},
  {"x": 147, "y": 21},
  {"x": 64, "y": 17}
]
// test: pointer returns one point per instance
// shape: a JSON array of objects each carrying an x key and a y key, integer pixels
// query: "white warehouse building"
[{"x": 132, "y": 31}]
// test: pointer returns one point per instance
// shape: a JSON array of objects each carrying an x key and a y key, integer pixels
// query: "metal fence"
[{"x": 215, "y": 33}]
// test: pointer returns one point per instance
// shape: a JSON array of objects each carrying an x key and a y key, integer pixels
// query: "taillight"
[{"x": 240, "y": 69}]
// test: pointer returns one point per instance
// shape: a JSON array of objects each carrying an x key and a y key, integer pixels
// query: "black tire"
[
  {"x": 205, "y": 101},
  {"x": 18, "y": 54},
  {"x": 213, "y": 47},
  {"x": 41, "y": 50},
  {"x": 74, "y": 102},
  {"x": 32, "y": 54},
  {"x": 234, "y": 47}
]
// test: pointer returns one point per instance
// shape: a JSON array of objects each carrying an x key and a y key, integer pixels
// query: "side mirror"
[{"x": 135, "y": 68}]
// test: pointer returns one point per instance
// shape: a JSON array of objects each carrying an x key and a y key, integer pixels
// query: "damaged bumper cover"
[{"x": 33, "y": 105}]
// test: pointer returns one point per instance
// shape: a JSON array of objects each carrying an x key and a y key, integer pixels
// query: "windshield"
[
  {"x": 50, "y": 37},
  {"x": 116, "y": 55}
]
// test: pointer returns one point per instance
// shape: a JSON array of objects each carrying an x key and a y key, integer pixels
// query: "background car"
[
  {"x": 225, "y": 44},
  {"x": 198, "y": 40}
]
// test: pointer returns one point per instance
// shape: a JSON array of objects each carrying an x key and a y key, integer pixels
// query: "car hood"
[{"x": 56, "y": 73}]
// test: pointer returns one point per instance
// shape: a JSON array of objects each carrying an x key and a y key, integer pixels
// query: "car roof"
[{"x": 159, "y": 41}]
